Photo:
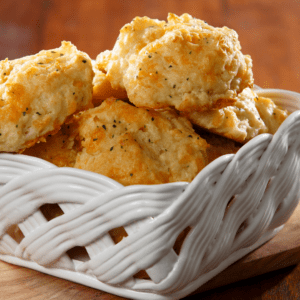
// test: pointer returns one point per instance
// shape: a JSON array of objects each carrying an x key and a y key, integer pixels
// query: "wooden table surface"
[{"x": 269, "y": 30}]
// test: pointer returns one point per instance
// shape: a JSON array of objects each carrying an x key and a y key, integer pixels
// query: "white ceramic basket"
[{"x": 234, "y": 205}]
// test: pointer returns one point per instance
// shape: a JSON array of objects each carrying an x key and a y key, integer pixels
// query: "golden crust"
[
  {"x": 38, "y": 93},
  {"x": 102, "y": 89},
  {"x": 136, "y": 146},
  {"x": 249, "y": 116},
  {"x": 62, "y": 148},
  {"x": 271, "y": 114},
  {"x": 183, "y": 63},
  {"x": 58, "y": 149}
]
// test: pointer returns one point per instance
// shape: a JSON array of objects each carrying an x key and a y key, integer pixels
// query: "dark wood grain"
[{"x": 282, "y": 284}]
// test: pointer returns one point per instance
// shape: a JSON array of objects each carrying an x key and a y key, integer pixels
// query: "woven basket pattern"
[{"x": 233, "y": 205}]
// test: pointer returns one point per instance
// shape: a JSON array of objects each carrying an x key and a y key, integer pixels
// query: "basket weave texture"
[{"x": 233, "y": 205}]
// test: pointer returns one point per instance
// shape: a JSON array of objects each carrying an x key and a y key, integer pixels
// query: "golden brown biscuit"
[
  {"x": 38, "y": 93},
  {"x": 249, "y": 116},
  {"x": 138, "y": 146},
  {"x": 271, "y": 114},
  {"x": 59, "y": 149},
  {"x": 102, "y": 89},
  {"x": 183, "y": 63}
]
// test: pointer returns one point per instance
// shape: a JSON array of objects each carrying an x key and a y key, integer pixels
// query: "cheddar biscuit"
[
  {"x": 138, "y": 146},
  {"x": 183, "y": 63},
  {"x": 58, "y": 149},
  {"x": 248, "y": 117},
  {"x": 102, "y": 89},
  {"x": 39, "y": 92}
]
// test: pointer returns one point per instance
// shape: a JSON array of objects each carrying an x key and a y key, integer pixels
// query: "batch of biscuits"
[{"x": 169, "y": 98}]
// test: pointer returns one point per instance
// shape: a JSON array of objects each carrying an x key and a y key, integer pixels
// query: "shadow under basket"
[{"x": 150, "y": 241}]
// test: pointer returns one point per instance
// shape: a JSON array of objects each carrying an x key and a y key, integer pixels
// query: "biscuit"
[
  {"x": 39, "y": 92},
  {"x": 272, "y": 114},
  {"x": 102, "y": 89},
  {"x": 62, "y": 148},
  {"x": 248, "y": 117},
  {"x": 59, "y": 149},
  {"x": 183, "y": 63},
  {"x": 138, "y": 146}
]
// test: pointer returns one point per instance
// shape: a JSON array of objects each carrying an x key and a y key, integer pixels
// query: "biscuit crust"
[
  {"x": 58, "y": 149},
  {"x": 102, "y": 89},
  {"x": 248, "y": 117},
  {"x": 272, "y": 114},
  {"x": 183, "y": 63},
  {"x": 39, "y": 92},
  {"x": 138, "y": 146}
]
